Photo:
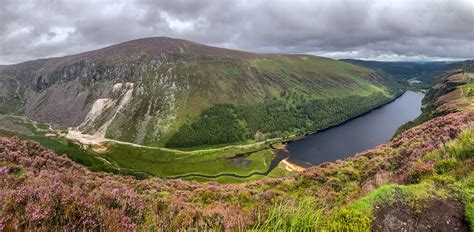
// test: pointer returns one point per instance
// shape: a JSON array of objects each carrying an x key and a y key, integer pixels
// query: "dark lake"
[{"x": 358, "y": 134}]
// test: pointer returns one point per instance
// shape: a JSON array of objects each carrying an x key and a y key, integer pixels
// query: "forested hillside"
[
  {"x": 159, "y": 91},
  {"x": 292, "y": 115}
]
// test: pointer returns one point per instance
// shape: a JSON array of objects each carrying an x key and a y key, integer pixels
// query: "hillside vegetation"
[
  {"x": 142, "y": 161},
  {"x": 159, "y": 91},
  {"x": 420, "y": 180},
  {"x": 168, "y": 107},
  {"x": 414, "y": 74},
  {"x": 276, "y": 118}
]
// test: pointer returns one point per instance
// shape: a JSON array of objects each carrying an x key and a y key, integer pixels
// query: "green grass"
[
  {"x": 225, "y": 179},
  {"x": 466, "y": 186},
  {"x": 279, "y": 171},
  {"x": 169, "y": 164},
  {"x": 383, "y": 194},
  {"x": 330, "y": 76},
  {"x": 20, "y": 121},
  {"x": 62, "y": 146},
  {"x": 347, "y": 219},
  {"x": 448, "y": 180},
  {"x": 59, "y": 145},
  {"x": 145, "y": 162},
  {"x": 142, "y": 163},
  {"x": 304, "y": 215},
  {"x": 463, "y": 147}
]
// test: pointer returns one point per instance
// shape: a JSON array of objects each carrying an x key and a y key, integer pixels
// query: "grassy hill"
[
  {"x": 420, "y": 180},
  {"x": 168, "y": 107},
  {"x": 158, "y": 91}
]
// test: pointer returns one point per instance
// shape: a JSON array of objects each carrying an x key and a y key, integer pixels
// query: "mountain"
[
  {"x": 418, "y": 74},
  {"x": 419, "y": 180},
  {"x": 176, "y": 93}
]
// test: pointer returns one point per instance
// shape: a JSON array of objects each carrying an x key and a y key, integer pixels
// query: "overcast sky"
[{"x": 379, "y": 30}]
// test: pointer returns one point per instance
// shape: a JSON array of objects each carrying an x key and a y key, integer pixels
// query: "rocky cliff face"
[{"x": 142, "y": 91}]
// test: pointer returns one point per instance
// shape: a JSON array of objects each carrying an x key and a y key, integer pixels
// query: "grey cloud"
[{"x": 422, "y": 29}]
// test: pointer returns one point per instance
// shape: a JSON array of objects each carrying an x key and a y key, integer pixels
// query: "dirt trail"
[{"x": 94, "y": 140}]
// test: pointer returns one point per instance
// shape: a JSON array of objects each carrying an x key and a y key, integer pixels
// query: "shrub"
[
  {"x": 346, "y": 219},
  {"x": 445, "y": 165},
  {"x": 419, "y": 170},
  {"x": 463, "y": 147},
  {"x": 469, "y": 214},
  {"x": 385, "y": 194},
  {"x": 300, "y": 216}
]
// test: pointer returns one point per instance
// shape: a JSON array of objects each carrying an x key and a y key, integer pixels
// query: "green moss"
[
  {"x": 348, "y": 219},
  {"x": 385, "y": 194}
]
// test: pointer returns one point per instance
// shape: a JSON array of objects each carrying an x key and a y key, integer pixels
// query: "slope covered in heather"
[
  {"x": 420, "y": 180},
  {"x": 159, "y": 92}
]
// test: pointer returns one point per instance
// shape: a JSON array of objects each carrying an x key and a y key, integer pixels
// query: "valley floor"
[{"x": 240, "y": 162}]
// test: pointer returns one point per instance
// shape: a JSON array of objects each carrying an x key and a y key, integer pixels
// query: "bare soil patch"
[{"x": 436, "y": 215}]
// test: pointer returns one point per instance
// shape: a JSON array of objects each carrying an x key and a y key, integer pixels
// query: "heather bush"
[
  {"x": 419, "y": 170},
  {"x": 40, "y": 190}
]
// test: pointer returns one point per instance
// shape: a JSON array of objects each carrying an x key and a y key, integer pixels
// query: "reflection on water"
[{"x": 356, "y": 135}]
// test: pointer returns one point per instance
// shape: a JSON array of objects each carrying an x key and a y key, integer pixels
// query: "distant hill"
[
  {"x": 170, "y": 92},
  {"x": 417, "y": 73}
]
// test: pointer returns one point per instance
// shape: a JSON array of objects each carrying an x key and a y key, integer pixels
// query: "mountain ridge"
[{"x": 174, "y": 82}]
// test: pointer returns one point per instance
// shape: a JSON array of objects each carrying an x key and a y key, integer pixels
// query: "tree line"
[{"x": 226, "y": 123}]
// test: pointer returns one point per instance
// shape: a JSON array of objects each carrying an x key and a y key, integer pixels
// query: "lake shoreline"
[
  {"x": 300, "y": 137},
  {"x": 283, "y": 154},
  {"x": 357, "y": 134}
]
